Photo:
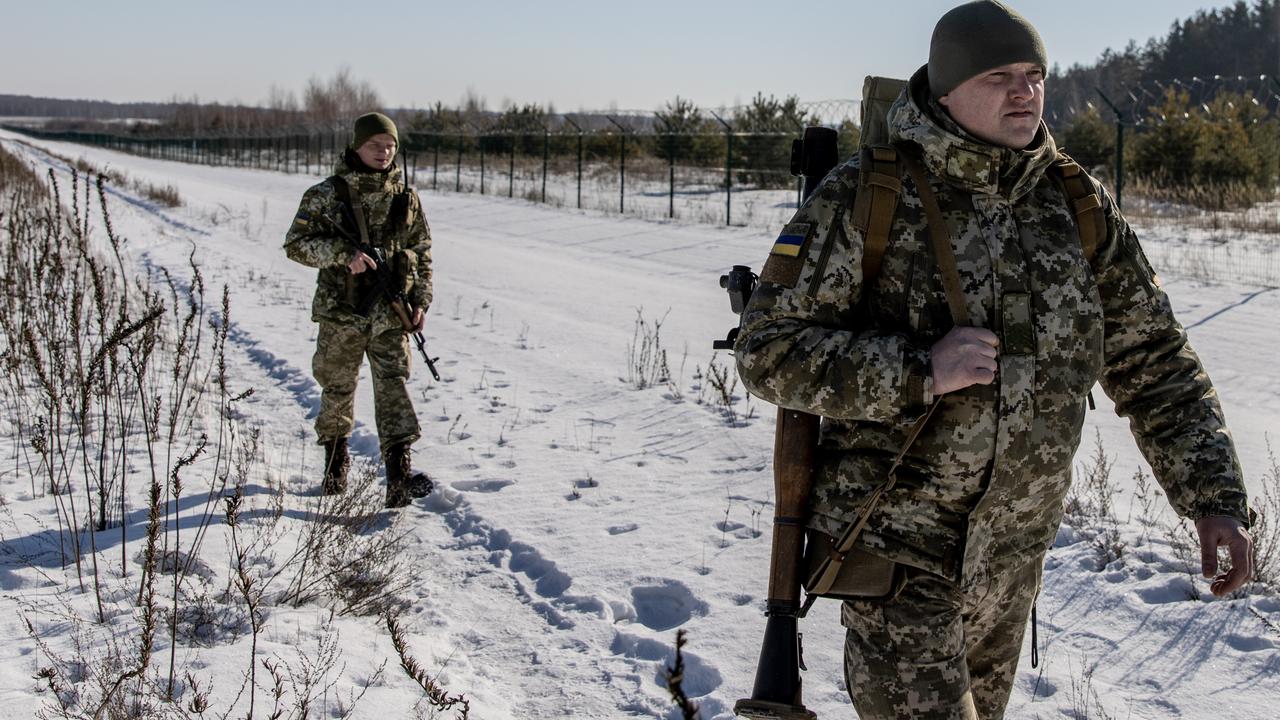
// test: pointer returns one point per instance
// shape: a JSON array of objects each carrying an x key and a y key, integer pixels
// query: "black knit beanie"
[
  {"x": 374, "y": 123},
  {"x": 977, "y": 36}
]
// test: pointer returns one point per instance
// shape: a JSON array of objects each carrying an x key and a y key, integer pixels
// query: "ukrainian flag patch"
[
  {"x": 792, "y": 240},
  {"x": 302, "y": 218}
]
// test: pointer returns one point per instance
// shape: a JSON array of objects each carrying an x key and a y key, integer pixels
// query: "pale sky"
[{"x": 577, "y": 55}]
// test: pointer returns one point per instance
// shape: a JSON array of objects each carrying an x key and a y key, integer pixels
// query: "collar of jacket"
[
  {"x": 365, "y": 180},
  {"x": 957, "y": 157}
]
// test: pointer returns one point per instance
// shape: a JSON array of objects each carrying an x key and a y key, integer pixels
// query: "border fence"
[{"x": 732, "y": 166}]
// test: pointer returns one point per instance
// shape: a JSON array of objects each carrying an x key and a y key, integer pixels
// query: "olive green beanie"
[
  {"x": 374, "y": 123},
  {"x": 977, "y": 36}
]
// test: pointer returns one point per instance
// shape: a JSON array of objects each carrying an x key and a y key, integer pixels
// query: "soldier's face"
[
  {"x": 378, "y": 151},
  {"x": 1001, "y": 106}
]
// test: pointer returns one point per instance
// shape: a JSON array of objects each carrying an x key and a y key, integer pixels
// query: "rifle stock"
[{"x": 776, "y": 694}]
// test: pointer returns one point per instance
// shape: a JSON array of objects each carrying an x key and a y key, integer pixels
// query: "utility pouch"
[
  {"x": 404, "y": 266},
  {"x": 858, "y": 575},
  {"x": 398, "y": 216}
]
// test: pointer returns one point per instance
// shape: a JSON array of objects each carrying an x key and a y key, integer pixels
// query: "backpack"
[{"x": 879, "y": 184}]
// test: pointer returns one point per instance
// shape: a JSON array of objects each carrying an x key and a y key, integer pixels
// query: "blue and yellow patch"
[
  {"x": 792, "y": 240},
  {"x": 302, "y": 218}
]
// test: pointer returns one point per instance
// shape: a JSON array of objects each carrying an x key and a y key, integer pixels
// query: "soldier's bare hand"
[
  {"x": 419, "y": 319},
  {"x": 1216, "y": 531},
  {"x": 361, "y": 262},
  {"x": 963, "y": 357}
]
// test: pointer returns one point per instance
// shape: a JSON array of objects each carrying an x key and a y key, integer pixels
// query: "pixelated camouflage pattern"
[
  {"x": 938, "y": 650},
  {"x": 313, "y": 241},
  {"x": 340, "y": 348},
  {"x": 987, "y": 477}
]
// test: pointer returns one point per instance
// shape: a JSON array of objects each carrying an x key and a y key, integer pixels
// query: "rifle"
[
  {"x": 385, "y": 287},
  {"x": 777, "y": 691}
]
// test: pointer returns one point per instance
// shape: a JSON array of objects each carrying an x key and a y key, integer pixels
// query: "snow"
[{"x": 579, "y": 522}]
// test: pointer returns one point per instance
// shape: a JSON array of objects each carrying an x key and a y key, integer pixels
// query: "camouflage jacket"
[
  {"x": 317, "y": 238},
  {"x": 986, "y": 480}
]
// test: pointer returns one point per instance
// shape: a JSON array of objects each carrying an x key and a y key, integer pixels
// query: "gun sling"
[{"x": 838, "y": 569}]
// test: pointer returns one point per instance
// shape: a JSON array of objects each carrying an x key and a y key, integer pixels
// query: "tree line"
[{"x": 1188, "y": 133}]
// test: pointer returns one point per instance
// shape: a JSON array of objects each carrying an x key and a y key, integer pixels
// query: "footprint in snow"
[
  {"x": 482, "y": 486},
  {"x": 700, "y": 678},
  {"x": 666, "y": 605},
  {"x": 1176, "y": 589}
]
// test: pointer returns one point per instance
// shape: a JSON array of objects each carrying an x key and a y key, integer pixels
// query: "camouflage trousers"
[
  {"x": 340, "y": 350},
  {"x": 937, "y": 650}
]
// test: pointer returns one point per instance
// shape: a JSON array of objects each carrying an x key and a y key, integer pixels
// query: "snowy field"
[{"x": 579, "y": 522}]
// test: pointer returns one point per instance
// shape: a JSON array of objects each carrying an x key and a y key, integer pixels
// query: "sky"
[{"x": 572, "y": 54}]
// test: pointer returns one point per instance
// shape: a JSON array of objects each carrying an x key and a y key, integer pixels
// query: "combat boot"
[
  {"x": 403, "y": 482},
  {"x": 396, "y": 460},
  {"x": 336, "y": 462}
]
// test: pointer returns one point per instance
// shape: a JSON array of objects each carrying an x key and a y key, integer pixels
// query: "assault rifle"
[
  {"x": 385, "y": 288},
  {"x": 777, "y": 691}
]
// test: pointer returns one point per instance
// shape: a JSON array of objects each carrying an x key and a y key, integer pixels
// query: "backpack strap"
[
  {"x": 1082, "y": 201},
  {"x": 879, "y": 186}
]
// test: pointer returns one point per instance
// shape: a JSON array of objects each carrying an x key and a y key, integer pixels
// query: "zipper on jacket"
[{"x": 820, "y": 270}]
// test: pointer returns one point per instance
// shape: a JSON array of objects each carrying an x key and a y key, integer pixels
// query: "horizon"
[{"x": 639, "y": 68}]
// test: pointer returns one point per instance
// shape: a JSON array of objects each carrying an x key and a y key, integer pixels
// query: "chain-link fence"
[
  {"x": 628, "y": 163},
  {"x": 1153, "y": 142}
]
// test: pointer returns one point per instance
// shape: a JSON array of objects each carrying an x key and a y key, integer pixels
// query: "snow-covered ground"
[{"x": 579, "y": 523}]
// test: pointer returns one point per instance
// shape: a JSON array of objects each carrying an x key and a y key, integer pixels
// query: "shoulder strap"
[
  {"x": 941, "y": 240},
  {"x": 876, "y": 204},
  {"x": 1083, "y": 201},
  {"x": 342, "y": 191}
]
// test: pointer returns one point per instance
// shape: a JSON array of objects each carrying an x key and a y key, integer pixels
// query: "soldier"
[
  {"x": 978, "y": 497},
  {"x": 355, "y": 318}
]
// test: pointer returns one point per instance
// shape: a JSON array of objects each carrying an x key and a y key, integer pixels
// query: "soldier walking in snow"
[
  {"x": 961, "y": 527},
  {"x": 366, "y": 203}
]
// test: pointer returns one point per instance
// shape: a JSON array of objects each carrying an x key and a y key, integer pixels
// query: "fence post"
[
  {"x": 1120, "y": 120},
  {"x": 546, "y": 140},
  {"x": 511, "y": 168},
  {"x": 622, "y": 167},
  {"x": 728, "y": 169},
  {"x": 579, "y": 129},
  {"x": 435, "y": 164},
  {"x": 480, "y": 140},
  {"x": 457, "y": 182}
]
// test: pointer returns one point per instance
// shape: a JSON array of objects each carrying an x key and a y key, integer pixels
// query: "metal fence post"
[
  {"x": 546, "y": 139},
  {"x": 1120, "y": 120},
  {"x": 480, "y": 140},
  {"x": 579, "y": 129},
  {"x": 457, "y": 182},
  {"x": 728, "y": 169},
  {"x": 511, "y": 168},
  {"x": 435, "y": 164},
  {"x": 622, "y": 167}
]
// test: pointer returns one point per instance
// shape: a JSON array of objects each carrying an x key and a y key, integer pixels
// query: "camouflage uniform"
[
  {"x": 399, "y": 228},
  {"x": 980, "y": 494}
]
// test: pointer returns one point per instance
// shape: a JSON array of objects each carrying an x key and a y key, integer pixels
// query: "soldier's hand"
[
  {"x": 1216, "y": 531},
  {"x": 965, "y": 356},
  {"x": 419, "y": 319},
  {"x": 361, "y": 262}
]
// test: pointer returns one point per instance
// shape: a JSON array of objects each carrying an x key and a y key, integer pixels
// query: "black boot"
[
  {"x": 403, "y": 482},
  {"x": 336, "y": 462},
  {"x": 420, "y": 485},
  {"x": 396, "y": 460}
]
